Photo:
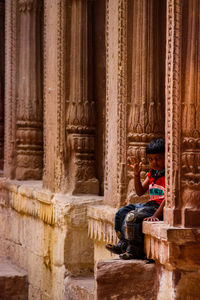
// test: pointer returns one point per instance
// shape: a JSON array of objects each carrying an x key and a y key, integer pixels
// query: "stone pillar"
[
  {"x": 183, "y": 126},
  {"x": 55, "y": 40},
  {"x": 146, "y": 88},
  {"x": 2, "y": 72},
  {"x": 116, "y": 102},
  {"x": 29, "y": 132},
  {"x": 80, "y": 106}
]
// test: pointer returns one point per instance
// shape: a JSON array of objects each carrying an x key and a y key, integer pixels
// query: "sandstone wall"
[{"x": 45, "y": 234}]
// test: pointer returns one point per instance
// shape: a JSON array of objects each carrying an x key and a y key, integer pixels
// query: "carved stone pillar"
[
  {"x": 116, "y": 102},
  {"x": 2, "y": 71},
  {"x": 146, "y": 87},
  {"x": 29, "y": 91},
  {"x": 183, "y": 126},
  {"x": 80, "y": 110},
  {"x": 175, "y": 242}
]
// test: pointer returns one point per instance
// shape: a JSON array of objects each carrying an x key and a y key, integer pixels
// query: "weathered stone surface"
[
  {"x": 132, "y": 279},
  {"x": 13, "y": 282},
  {"x": 178, "y": 284},
  {"x": 79, "y": 288},
  {"x": 27, "y": 213}
]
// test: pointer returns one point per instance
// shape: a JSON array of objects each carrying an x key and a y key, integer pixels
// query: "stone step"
[
  {"x": 13, "y": 282},
  {"x": 79, "y": 288},
  {"x": 125, "y": 279}
]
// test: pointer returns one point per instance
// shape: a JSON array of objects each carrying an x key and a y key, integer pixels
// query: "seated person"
[{"x": 128, "y": 219}]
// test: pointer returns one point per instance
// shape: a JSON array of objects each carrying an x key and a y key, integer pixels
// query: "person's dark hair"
[{"x": 156, "y": 146}]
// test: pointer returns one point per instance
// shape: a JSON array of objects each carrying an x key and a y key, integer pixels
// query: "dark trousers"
[{"x": 147, "y": 209}]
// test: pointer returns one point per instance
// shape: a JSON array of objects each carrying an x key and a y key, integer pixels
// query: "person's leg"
[
  {"x": 119, "y": 219},
  {"x": 120, "y": 216},
  {"x": 132, "y": 228}
]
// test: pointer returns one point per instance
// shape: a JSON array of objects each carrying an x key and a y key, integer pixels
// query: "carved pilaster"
[
  {"x": 10, "y": 88},
  {"x": 80, "y": 110},
  {"x": 2, "y": 71},
  {"x": 173, "y": 112},
  {"x": 146, "y": 92},
  {"x": 183, "y": 127},
  {"x": 190, "y": 142},
  {"x": 116, "y": 102},
  {"x": 29, "y": 91}
]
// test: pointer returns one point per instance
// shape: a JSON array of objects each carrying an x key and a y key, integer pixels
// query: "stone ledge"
[
  {"x": 79, "y": 288},
  {"x": 174, "y": 247},
  {"x": 101, "y": 223},
  {"x": 165, "y": 232},
  {"x": 119, "y": 279},
  {"x": 28, "y": 197}
]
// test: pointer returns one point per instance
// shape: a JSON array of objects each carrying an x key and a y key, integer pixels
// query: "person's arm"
[
  {"x": 140, "y": 188},
  {"x": 157, "y": 215}
]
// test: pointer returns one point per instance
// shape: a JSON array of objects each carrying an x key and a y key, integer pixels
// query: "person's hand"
[
  {"x": 151, "y": 219},
  {"x": 135, "y": 165}
]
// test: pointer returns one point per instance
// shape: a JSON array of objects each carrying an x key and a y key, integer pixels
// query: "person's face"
[{"x": 156, "y": 161}]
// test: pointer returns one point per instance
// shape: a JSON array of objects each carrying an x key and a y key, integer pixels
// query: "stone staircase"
[
  {"x": 115, "y": 279},
  {"x": 13, "y": 282}
]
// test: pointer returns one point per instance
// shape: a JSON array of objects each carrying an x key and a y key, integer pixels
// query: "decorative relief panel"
[
  {"x": 80, "y": 106},
  {"x": 147, "y": 68},
  {"x": 29, "y": 135},
  {"x": 190, "y": 93}
]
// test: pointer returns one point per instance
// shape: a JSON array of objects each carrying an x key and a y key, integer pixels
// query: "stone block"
[
  {"x": 119, "y": 279},
  {"x": 79, "y": 288},
  {"x": 34, "y": 293},
  {"x": 13, "y": 282}
]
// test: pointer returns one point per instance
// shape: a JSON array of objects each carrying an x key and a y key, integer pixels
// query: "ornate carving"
[
  {"x": 146, "y": 103},
  {"x": 116, "y": 88},
  {"x": 80, "y": 108},
  {"x": 183, "y": 138},
  {"x": 191, "y": 159},
  {"x": 122, "y": 100},
  {"x": 80, "y": 116},
  {"x": 107, "y": 97},
  {"x": 10, "y": 90},
  {"x": 173, "y": 113},
  {"x": 29, "y": 95}
]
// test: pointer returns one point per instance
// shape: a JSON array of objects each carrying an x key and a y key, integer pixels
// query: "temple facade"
[{"x": 84, "y": 85}]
